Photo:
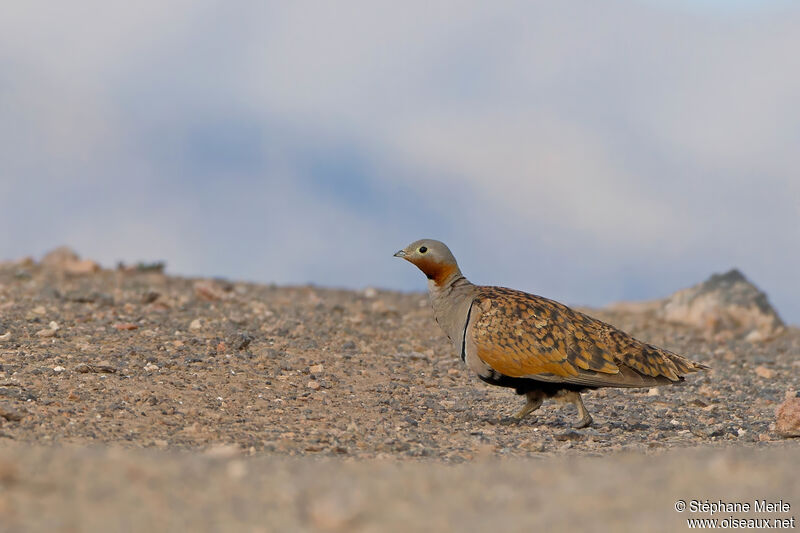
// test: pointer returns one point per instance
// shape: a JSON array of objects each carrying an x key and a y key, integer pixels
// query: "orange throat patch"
[{"x": 439, "y": 273}]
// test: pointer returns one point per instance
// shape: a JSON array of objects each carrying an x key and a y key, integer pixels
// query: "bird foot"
[{"x": 586, "y": 421}]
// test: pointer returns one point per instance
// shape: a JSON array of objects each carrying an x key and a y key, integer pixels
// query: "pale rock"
[
  {"x": 370, "y": 292},
  {"x": 85, "y": 266},
  {"x": 764, "y": 372},
  {"x": 64, "y": 259},
  {"x": 46, "y": 333},
  {"x": 725, "y": 302},
  {"x": 787, "y": 416},
  {"x": 58, "y": 258},
  {"x": 208, "y": 290}
]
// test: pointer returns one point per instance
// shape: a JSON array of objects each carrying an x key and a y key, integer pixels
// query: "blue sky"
[{"x": 586, "y": 151}]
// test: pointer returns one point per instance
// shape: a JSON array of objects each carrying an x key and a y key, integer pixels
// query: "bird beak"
[{"x": 401, "y": 253}]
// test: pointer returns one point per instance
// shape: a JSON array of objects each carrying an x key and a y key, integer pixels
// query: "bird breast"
[{"x": 450, "y": 307}]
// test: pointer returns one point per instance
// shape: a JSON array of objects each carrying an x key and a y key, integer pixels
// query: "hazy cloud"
[{"x": 588, "y": 151}]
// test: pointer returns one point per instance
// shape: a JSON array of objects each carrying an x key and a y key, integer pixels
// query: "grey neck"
[{"x": 451, "y": 302}]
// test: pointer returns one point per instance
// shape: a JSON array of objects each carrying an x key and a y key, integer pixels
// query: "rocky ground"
[{"x": 220, "y": 381}]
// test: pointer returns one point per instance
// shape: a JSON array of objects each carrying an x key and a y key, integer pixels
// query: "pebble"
[
  {"x": 370, "y": 292},
  {"x": 102, "y": 367},
  {"x": 313, "y": 385},
  {"x": 764, "y": 372},
  {"x": 196, "y": 324},
  {"x": 58, "y": 368},
  {"x": 315, "y": 369},
  {"x": 46, "y": 333},
  {"x": 125, "y": 326},
  {"x": 569, "y": 435},
  {"x": 208, "y": 290},
  {"x": 150, "y": 367}
]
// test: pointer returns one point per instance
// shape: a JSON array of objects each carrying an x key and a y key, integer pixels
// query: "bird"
[{"x": 537, "y": 346}]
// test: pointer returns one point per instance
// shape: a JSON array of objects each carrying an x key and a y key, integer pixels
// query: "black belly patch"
[
  {"x": 525, "y": 385},
  {"x": 464, "y": 336}
]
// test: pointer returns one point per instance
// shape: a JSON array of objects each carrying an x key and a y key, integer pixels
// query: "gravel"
[{"x": 184, "y": 366}]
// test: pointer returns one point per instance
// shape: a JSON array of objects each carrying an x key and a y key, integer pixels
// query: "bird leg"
[
  {"x": 535, "y": 399},
  {"x": 575, "y": 398}
]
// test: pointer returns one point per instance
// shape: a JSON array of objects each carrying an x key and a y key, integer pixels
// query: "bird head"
[{"x": 433, "y": 258}]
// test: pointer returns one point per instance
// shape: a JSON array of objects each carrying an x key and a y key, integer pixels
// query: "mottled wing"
[{"x": 522, "y": 335}]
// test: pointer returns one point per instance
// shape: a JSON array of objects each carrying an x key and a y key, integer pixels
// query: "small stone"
[
  {"x": 58, "y": 368},
  {"x": 653, "y": 392},
  {"x": 9, "y": 414},
  {"x": 196, "y": 324},
  {"x": 150, "y": 367},
  {"x": 764, "y": 372},
  {"x": 100, "y": 368},
  {"x": 85, "y": 266},
  {"x": 46, "y": 333},
  {"x": 5, "y": 336},
  {"x": 349, "y": 345},
  {"x": 569, "y": 435},
  {"x": 54, "y": 325},
  {"x": 244, "y": 341},
  {"x": 313, "y": 385},
  {"x": 125, "y": 326},
  {"x": 150, "y": 297},
  {"x": 208, "y": 290},
  {"x": 787, "y": 415},
  {"x": 706, "y": 390},
  {"x": 755, "y": 336},
  {"x": 315, "y": 369},
  {"x": 370, "y": 292}
]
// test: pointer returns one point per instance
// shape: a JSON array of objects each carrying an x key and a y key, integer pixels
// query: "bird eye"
[{"x": 423, "y": 249}]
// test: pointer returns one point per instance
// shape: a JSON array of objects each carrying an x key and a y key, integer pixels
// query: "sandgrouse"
[{"x": 539, "y": 347}]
